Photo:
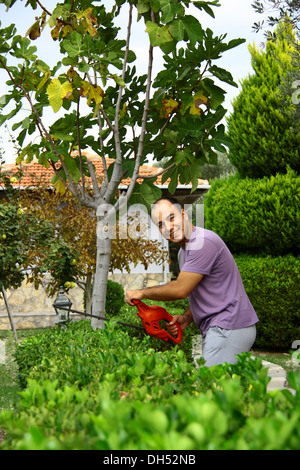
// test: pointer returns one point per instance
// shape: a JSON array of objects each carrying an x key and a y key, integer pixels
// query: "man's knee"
[{"x": 220, "y": 345}]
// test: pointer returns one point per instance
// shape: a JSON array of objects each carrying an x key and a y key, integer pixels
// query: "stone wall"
[{"x": 33, "y": 308}]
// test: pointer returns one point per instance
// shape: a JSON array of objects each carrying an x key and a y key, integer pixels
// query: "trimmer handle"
[{"x": 151, "y": 316}]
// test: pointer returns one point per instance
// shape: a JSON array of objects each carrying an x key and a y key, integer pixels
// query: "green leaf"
[
  {"x": 173, "y": 183},
  {"x": 143, "y": 6},
  {"x": 172, "y": 173},
  {"x": 23, "y": 51},
  {"x": 176, "y": 29},
  {"x": 170, "y": 10},
  {"x": 26, "y": 123},
  {"x": 168, "y": 13},
  {"x": 63, "y": 136},
  {"x": 219, "y": 139},
  {"x": 72, "y": 166},
  {"x": 158, "y": 36},
  {"x": 119, "y": 81},
  {"x": 146, "y": 194},
  {"x": 194, "y": 183},
  {"x": 190, "y": 125},
  {"x": 42, "y": 66},
  {"x": 294, "y": 380},
  {"x": 183, "y": 157},
  {"x": 214, "y": 118},
  {"x": 4, "y": 99},
  {"x": 234, "y": 43},
  {"x": 74, "y": 47},
  {"x": 222, "y": 75},
  {"x": 216, "y": 93},
  {"x": 193, "y": 28},
  {"x": 205, "y": 6},
  {"x": 13, "y": 112}
]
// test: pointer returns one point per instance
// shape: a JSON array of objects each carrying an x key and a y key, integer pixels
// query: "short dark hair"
[{"x": 171, "y": 199}]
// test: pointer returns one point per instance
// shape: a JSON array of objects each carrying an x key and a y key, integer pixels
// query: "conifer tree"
[{"x": 264, "y": 141}]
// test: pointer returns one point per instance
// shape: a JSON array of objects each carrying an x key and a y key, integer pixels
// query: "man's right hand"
[
  {"x": 173, "y": 328},
  {"x": 183, "y": 320}
]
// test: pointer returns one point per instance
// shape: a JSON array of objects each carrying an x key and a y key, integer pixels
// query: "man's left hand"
[{"x": 133, "y": 295}]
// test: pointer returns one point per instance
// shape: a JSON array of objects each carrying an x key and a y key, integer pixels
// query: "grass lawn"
[{"x": 282, "y": 359}]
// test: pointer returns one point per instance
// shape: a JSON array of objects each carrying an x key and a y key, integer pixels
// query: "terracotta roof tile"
[{"x": 33, "y": 172}]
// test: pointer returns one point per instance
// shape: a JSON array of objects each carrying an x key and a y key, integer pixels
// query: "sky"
[{"x": 234, "y": 18}]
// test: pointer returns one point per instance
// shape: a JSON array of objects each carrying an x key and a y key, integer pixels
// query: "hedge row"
[
  {"x": 256, "y": 215},
  {"x": 272, "y": 284},
  {"x": 108, "y": 390}
]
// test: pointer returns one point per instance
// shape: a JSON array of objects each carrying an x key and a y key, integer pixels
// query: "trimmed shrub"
[
  {"x": 272, "y": 285},
  {"x": 256, "y": 216},
  {"x": 114, "y": 298},
  {"x": 104, "y": 390}
]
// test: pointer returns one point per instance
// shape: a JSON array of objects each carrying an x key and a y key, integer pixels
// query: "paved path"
[{"x": 277, "y": 373}]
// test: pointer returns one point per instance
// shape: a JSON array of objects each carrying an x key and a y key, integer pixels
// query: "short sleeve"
[{"x": 201, "y": 258}]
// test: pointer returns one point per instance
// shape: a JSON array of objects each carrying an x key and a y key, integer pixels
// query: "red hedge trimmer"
[{"x": 150, "y": 316}]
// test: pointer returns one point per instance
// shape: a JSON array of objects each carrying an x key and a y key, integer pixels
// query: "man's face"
[{"x": 171, "y": 221}]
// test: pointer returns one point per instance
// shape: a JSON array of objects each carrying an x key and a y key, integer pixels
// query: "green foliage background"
[
  {"x": 272, "y": 284},
  {"x": 256, "y": 215}
]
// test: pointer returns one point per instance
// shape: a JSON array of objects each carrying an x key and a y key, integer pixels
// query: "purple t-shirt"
[{"x": 220, "y": 298}]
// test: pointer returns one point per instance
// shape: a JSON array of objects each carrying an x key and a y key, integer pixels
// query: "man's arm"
[{"x": 174, "y": 290}]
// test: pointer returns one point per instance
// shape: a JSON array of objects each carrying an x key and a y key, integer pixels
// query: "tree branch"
[
  {"x": 106, "y": 181},
  {"x": 94, "y": 179},
  {"x": 157, "y": 174},
  {"x": 117, "y": 171},
  {"x": 43, "y": 8},
  {"x": 124, "y": 197},
  {"x": 144, "y": 123},
  {"x": 79, "y": 146}
]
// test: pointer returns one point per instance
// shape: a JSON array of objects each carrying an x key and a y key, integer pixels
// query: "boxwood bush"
[
  {"x": 108, "y": 390},
  {"x": 256, "y": 215},
  {"x": 272, "y": 284},
  {"x": 114, "y": 298}
]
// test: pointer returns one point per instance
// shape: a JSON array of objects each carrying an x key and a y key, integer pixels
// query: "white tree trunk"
[{"x": 102, "y": 270}]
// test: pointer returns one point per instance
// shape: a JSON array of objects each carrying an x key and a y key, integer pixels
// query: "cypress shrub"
[
  {"x": 263, "y": 135},
  {"x": 256, "y": 216}
]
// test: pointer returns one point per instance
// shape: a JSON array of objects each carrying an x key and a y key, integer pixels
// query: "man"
[{"x": 209, "y": 277}]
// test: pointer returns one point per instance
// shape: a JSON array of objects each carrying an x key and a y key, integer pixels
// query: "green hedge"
[
  {"x": 114, "y": 298},
  {"x": 272, "y": 284},
  {"x": 256, "y": 216},
  {"x": 108, "y": 390}
]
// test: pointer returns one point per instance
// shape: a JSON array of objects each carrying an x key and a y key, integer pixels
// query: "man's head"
[{"x": 171, "y": 219}]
